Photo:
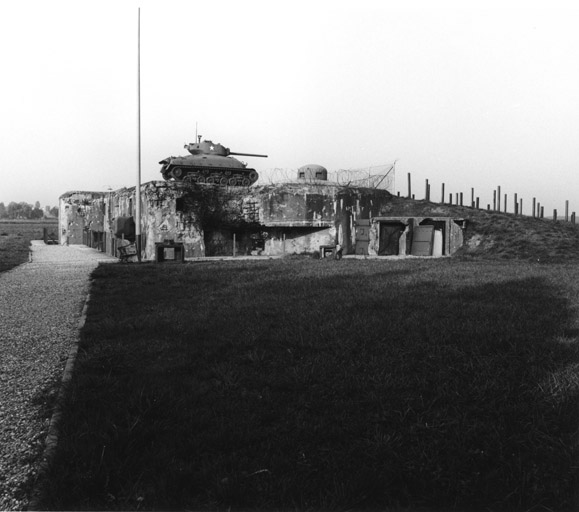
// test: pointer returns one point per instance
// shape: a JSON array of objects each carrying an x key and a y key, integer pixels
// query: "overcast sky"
[{"x": 472, "y": 97}]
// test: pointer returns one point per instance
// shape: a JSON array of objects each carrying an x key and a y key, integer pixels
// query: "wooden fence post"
[
  {"x": 555, "y": 215},
  {"x": 426, "y": 191},
  {"x": 542, "y": 212},
  {"x": 494, "y": 199},
  {"x": 567, "y": 211},
  {"x": 499, "y": 198},
  {"x": 505, "y": 203},
  {"x": 533, "y": 214},
  {"x": 516, "y": 204},
  {"x": 477, "y": 203},
  {"x": 472, "y": 197},
  {"x": 521, "y": 207},
  {"x": 409, "y": 186},
  {"x": 442, "y": 196}
]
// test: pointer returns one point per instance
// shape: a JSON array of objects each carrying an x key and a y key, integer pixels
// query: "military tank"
[{"x": 209, "y": 163}]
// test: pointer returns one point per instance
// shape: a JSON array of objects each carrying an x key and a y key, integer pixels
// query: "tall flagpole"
[{"x": 138, "y": 187}]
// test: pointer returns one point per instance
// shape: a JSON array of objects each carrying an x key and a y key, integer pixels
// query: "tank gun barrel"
[{"x": 246, "y": 154}]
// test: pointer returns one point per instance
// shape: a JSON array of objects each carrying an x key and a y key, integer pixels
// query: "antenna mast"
[{"x": 138, "y": 187}]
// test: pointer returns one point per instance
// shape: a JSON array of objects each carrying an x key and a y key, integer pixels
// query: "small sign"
[{"x": 169, "y": 253}]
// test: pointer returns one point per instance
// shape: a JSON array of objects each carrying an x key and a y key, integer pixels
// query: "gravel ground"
[{"x": 40, "y": 306}]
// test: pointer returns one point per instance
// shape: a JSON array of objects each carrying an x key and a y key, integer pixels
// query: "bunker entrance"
[{"x": 390, "y": 233}]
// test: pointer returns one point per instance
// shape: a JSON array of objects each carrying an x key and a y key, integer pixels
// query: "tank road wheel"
[
  {"x": 232, "y": 182},
  {"x": 177, "y": 172},
  {"x": 223, "y": 182},
  {"x": 245, "y": 182},
  {"x": 201, "y": 180},
  {"x": 210, "y": 180},
  {"x": 253, "y": 176}
]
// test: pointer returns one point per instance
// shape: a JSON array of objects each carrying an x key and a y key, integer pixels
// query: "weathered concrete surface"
[
  {"x": 89, "y": 218},
  {"x": 81, "y": 211},
  {"x": 285, "y": 218}
]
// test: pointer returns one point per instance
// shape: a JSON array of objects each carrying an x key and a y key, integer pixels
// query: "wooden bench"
[{"x": 126, "y": 252}]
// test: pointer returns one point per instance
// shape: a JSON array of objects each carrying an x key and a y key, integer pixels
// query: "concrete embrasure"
[{"x": 42, "y": 307}]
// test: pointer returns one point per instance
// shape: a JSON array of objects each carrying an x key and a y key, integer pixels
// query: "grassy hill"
[{"x": 495, "y": 235}]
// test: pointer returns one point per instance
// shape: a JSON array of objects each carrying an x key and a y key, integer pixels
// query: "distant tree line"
[{"x": 27, "y": 211}]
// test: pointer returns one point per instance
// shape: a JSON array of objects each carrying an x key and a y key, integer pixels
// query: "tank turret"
[{"x": 209, "y": 163}]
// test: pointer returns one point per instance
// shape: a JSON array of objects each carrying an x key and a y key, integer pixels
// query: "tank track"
[{"x": 217, "y": 176}]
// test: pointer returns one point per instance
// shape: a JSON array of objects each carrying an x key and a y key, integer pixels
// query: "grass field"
[
  {"x": 340, "y": 385},
  {"x": 15, "y": 237}
]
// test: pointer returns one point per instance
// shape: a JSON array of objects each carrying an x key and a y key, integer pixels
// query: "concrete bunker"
[{"x": 271, "y": 220}]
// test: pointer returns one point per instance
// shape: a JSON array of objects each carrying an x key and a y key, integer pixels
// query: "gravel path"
[{"x": 40, "y": 306}]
